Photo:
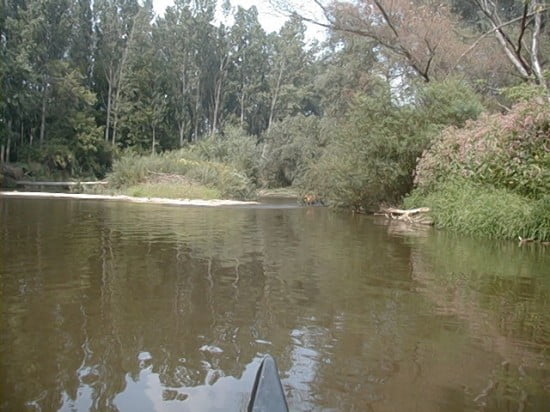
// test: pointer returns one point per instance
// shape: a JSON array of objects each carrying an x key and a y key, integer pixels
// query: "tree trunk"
[
  {"x": 8, "y": 149},
  {"x": 510, "y": 54},
  {"x": 181, "y": 123},
  {"x": 275, "y": 95},
  {"x": 197, "y": 107},
  {"x": 535, "y": 46},
  {"x": 489, "y": 9},
  {"x": 218, "y": 96},
  {"x": 181, "y": 131},
  {"x": 43, "y": 115},
  {"x": 120, "y": 81},
  {"x": 154, "y": 141},
  {"x": 115, "y": 124},
  {"x": 109, "y": 96},
  {"x": 2, "y": 152},
  {"x": 242, "y": 108}
]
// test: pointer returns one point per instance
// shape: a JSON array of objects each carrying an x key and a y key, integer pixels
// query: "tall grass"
[
  {"x": 131, "y": 170},
  {"x": 481, "y": 210},
  {"x": 172, "y": 191}
]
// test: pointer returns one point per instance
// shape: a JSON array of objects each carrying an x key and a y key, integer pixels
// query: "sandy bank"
[{"x": 156, "y": 200}]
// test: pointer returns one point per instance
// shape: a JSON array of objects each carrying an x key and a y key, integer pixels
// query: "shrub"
[
  {"x": 291, "y": 146},
  {"x": 449, "y": 102},
  {"x": 370, "y": 157},
  {"x": 234, "y": 147},
  {"x": 509, "y": 151}
]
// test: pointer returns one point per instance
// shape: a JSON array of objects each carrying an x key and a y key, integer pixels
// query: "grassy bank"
[
  {"x": 180, "y": 175},
  {"x": 473, "y": 209},
  {"x": 172, "y": 191}
]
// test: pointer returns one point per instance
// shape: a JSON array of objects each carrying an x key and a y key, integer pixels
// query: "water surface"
[{"x": 115, "y": 306}]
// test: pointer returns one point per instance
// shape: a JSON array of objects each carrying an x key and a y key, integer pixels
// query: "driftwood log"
[{"x": 417, "y": 215}]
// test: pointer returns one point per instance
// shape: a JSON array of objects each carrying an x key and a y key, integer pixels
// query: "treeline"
[{"x": 81, "y": 79}]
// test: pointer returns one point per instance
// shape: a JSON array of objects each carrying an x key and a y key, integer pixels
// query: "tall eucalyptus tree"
[
  {"x": 250, "y": 70},
  {"x": 114, "y": 24}
]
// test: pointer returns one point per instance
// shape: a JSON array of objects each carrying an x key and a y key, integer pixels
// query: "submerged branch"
[{"x": 408, "y": 215}]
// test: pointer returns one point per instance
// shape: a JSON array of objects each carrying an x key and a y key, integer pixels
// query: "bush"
[
  {"x": 509, "y": 151},
  {"x": 173, "y": 191},
  {"x": 449, "y": 102},
  {"x": 234, "y": 147},
  {"x": 370, "y": 157},
  {"x": 291, "y": 146}
]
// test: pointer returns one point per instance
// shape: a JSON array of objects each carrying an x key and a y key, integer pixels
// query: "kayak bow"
[{"x": 267, "y": 393}]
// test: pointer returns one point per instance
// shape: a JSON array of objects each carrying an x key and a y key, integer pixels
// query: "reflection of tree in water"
[{"x": 496, "y": 292}]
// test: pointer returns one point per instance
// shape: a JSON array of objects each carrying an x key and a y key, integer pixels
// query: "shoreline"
[{"x": 131, "y": 199}]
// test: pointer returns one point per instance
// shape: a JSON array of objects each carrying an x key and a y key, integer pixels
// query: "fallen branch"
[{"x": 408, "y": 215}]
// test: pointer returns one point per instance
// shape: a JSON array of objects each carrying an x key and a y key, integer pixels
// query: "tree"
[
  {"x": 419, "y": 34},
  {"x": 81, "y": 38},
  {"x": 291, "y": 75},
  {"x": 176, "y": 53},
  {"x": 249, "y": 69},
  {"x": 114, "y": 23},
  {"x": 519, "y": 37}
]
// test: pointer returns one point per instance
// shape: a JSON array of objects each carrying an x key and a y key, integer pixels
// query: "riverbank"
[{"x": 132, "y": 199}]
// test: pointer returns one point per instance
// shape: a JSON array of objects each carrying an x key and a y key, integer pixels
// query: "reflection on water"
[{"x": 112, "y": 306}]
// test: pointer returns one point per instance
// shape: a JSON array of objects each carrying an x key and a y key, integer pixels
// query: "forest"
[{"x": 422, "y": 103}]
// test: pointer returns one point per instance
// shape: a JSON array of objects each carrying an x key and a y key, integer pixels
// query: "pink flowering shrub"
[{"x": 510, "y": 151}]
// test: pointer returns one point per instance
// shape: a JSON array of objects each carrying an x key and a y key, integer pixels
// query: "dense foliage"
[
  {"x": 374, "y": 150},
  {"x": 510, "y": 151},
  {"x": 491, "y": 176}
]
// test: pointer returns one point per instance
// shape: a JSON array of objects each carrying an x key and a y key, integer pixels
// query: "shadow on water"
[{"x": 113, "y": 306}]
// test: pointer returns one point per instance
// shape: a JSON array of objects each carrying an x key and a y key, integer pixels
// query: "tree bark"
[
  {"x": 181, "y": 123},
  {"x": 120, "y": 81},
  {"x": 43, "y": 115},
  {"x": 181, "y": 132},
  {"x": 8, "y": 149},
  {"x": 509, "y": 50},
  {"x": 275, "y": 95},
  {"x": 197, "y": 107},
  {"x": 242, "y": 108},
  {"x": 217, "y": 98},
  {"x": 535, "y": 45},
  {"x": 109, "y": 97},
  {"x": 154, "y": 141}
]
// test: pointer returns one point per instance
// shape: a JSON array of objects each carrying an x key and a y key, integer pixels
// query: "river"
[{"x": 140, "y": 307}]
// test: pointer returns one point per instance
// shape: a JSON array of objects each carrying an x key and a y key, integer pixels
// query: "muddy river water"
[{"x": 140, "y": 307}]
